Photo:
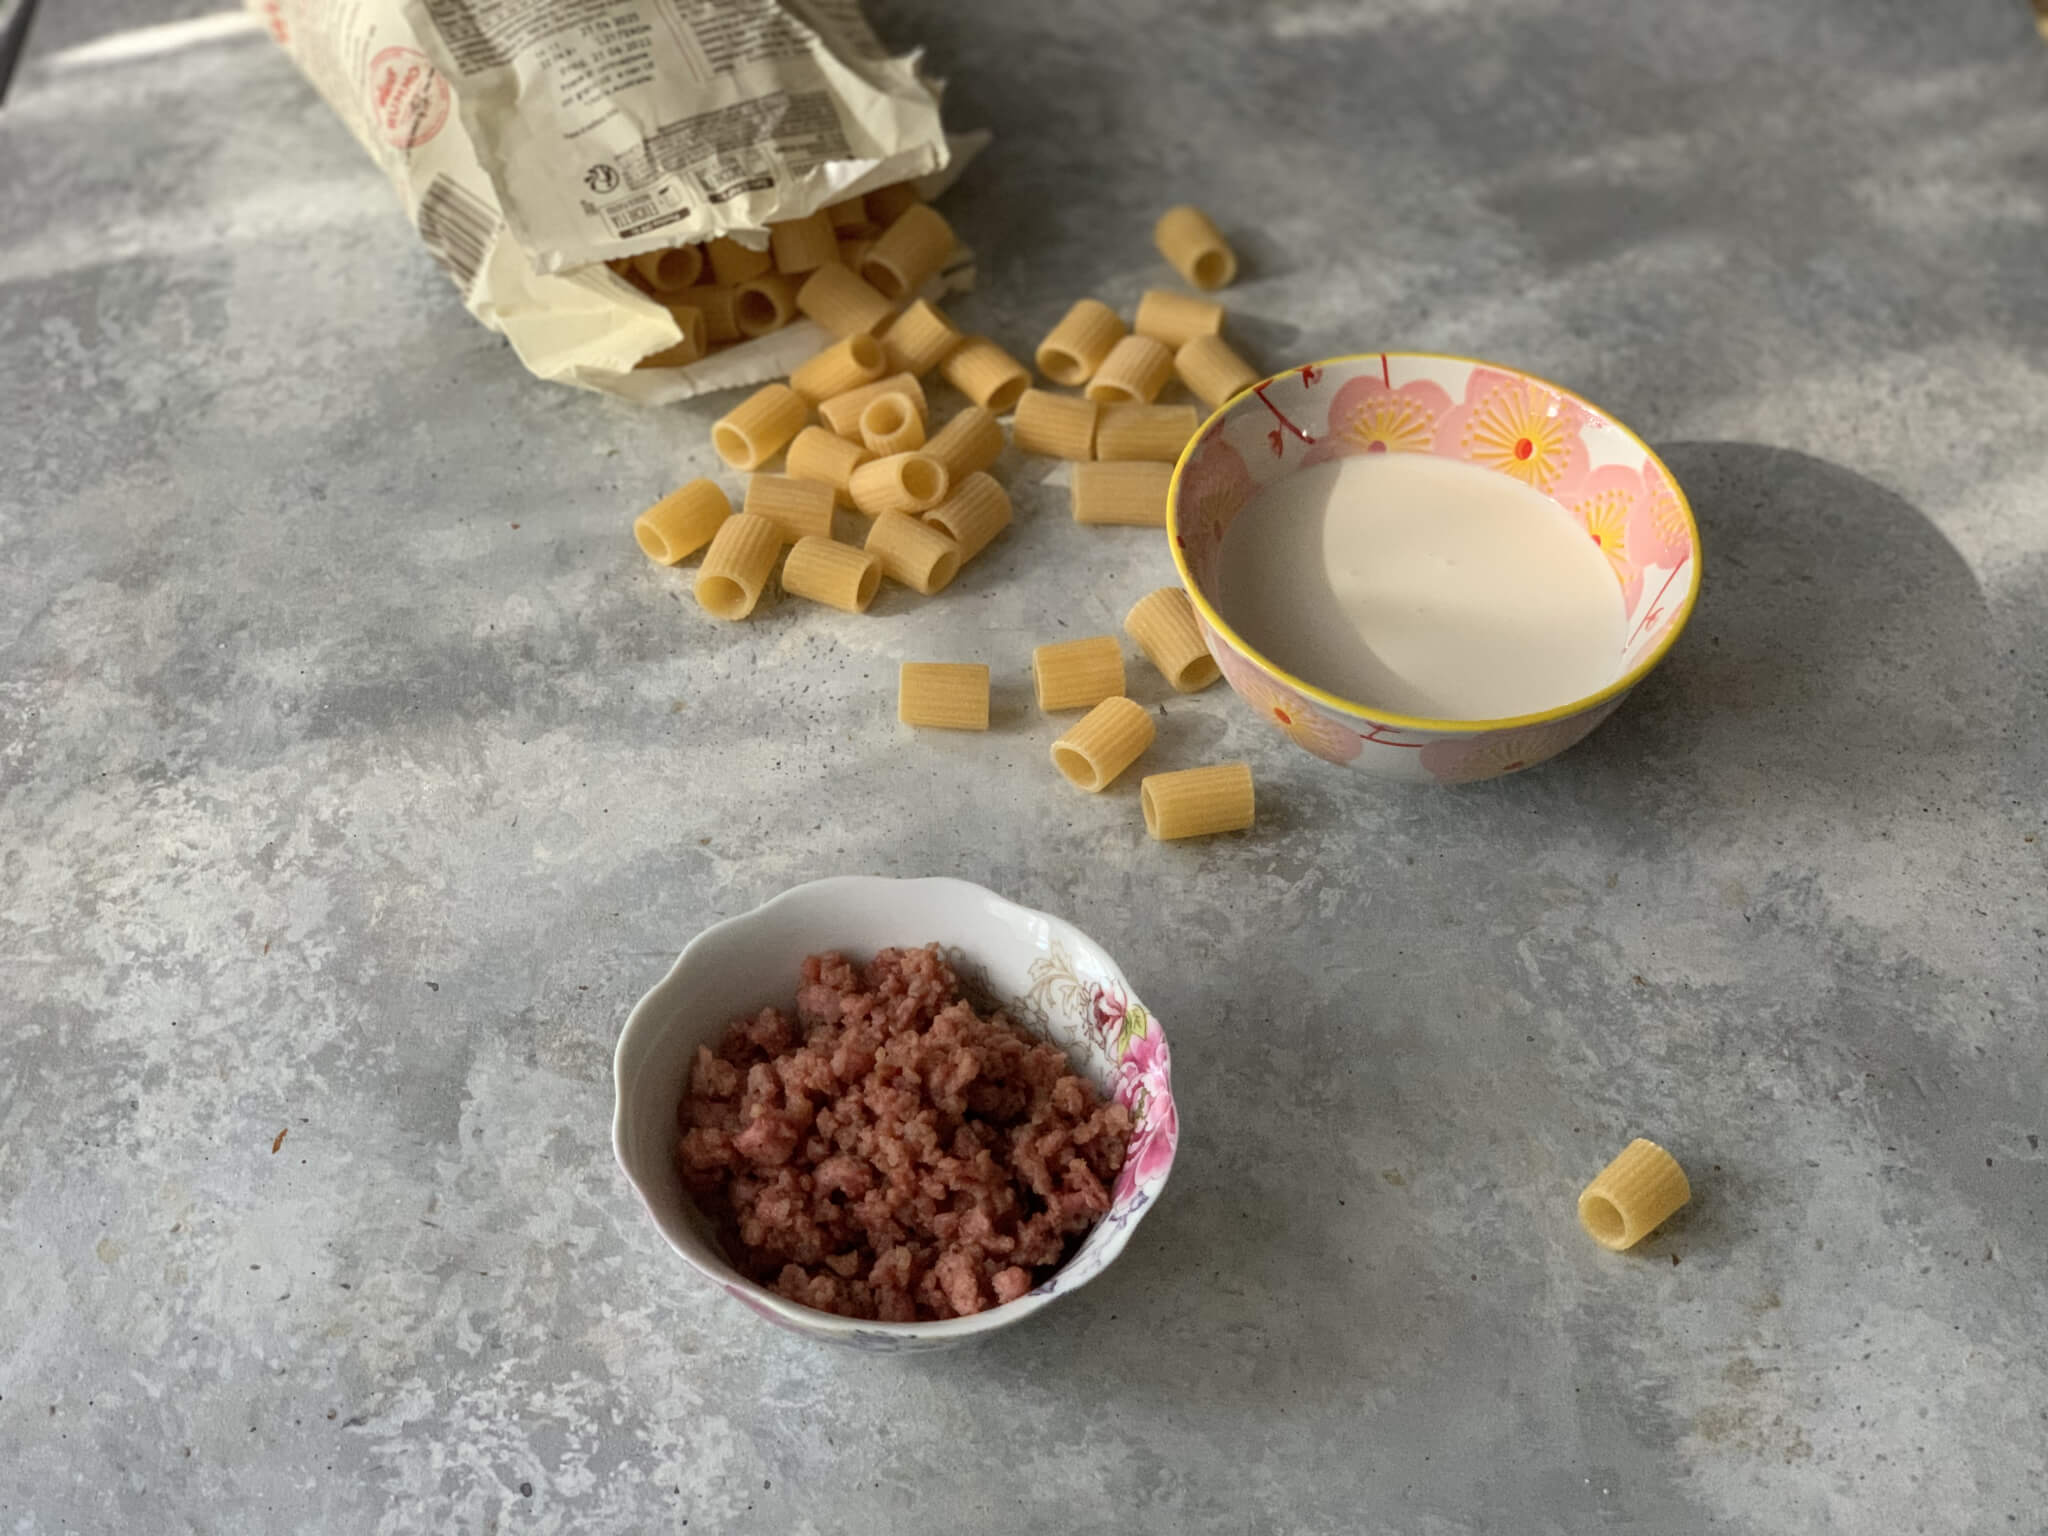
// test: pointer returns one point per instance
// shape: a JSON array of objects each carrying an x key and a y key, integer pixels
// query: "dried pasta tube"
[
  {"x": 890, "y": 423},
  {"x": 803, "y": 245},
  {"x": 1190, "y": 240},
  {"x": 802, "y": 509},
  {"x": 837, "y": 575},
  {"x": 914, "y": 553},
  {"x": 919, "y": 339},
  {"x": 1129, "y": 493},
  {"x": 1175, "y": 319},
  {"x": 1163, "y": 624},
  {"x": 842, "y": 412},
  {"x": 855, "y": 251},
  {"x": 977, "y": 510},
  {"x": 1212, "y": 371},
  {"x": 1136, "y": 369},
  {"x": 818, "y": 453},
  {"x": 670, "y": 271},
  {"x": 945, "y": 695},
  {"x": 969, "y": 443},
  {"x": 754, "y": 431},
  {"x": 1058, "y": 426},
  {"x": 986, "y": 374},
  {"x": 737, "y": 565},
  {"x": 765, "y": 303},
  {"x": 1197, "y": 802},
  {"x": 1075, "y": 348},
  {"x": 849, "y": 217},
  {"x": 691, "y": 348},
  {"x": 1103, "y": 743},
  {"x": 908, "y": 253},
  {"x": 1632, "y": 1195},
  {"x": 903, "y": 482},
  {"x": 1144, "y": 431},
  {"x": 732, "y": 263},
  {"x": 841, "y": 302},
  {"x": 682, "y": 522},
  {"x": 1077, "y": 674},
  {"x": 846, "y": 364},
  {"x": 888, "y": 204},
  {"x": 715, "y": 304}
]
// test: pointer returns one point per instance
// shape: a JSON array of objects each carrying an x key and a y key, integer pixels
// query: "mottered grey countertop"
[{"x": 357, "y": 774}]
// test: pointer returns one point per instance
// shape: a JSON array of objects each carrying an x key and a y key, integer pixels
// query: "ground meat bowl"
[{"x": 887, "y": 1151}]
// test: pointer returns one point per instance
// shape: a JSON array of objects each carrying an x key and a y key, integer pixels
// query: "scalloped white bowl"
[{"x": 1047, "y": 974}]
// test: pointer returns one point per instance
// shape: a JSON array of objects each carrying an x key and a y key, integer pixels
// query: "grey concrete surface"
[{"x": 356, "y": 775}]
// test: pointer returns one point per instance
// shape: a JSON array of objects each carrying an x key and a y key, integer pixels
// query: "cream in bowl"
[{"x": 1428, "y": 567}]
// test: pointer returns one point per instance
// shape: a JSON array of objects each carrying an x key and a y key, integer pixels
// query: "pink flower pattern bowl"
[
  {"x": 1509, "y": 422},
  {"x": 1045, "y": 973}
]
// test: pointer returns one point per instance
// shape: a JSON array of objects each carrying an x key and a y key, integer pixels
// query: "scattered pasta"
[
  {"x": 919, "y": 339},
  {"x": 1075, "y": 348},
  {"x": 972, "y": 441},
  {"x": 944, "y": 695},
  {"x": 837, "y": 575},
  {"x": 1163, "y": 624},
  {"x": 1077, "y": 674},
  {"x": 841, "y": 302},
  {"x": 1058, "y": 426},
  {"x": 755, "y": 430},
  {"x": 842, "y": 412},
  {"x": 1129, "y": 493},
  {"x": 1212, "y": 371},
  {"x": 908, "y": 253},
  {"x": 973, "y": 514},
  {"x": 846, "y": 364},
  {"x": 890, "y": 424},
  {"x": 914, "y": 553},
  {"x": 737, "y": 565},
  {"x": 818, "y": 453},
  {"x": 802, "y": 509},
  {"x": 1631, "y": 1197},
  {"x": 1103, "y": 743},
  {"x": 903, "y": 482},
  {"x": 682, "y": 522},
  {"x": 1196, "y": 247},
  {"x": 1156, "y": 432},
  {"x": 1175, "y": 319},
  {"x": 1136, "y": 369},
  {"x": 732, "y": 263},
  {"x": 1197, "y": 802},
  {"x": 986, "y": 374},
  {"x": 803, "y": 245}
]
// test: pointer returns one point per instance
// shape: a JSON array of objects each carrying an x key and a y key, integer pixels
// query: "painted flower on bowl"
[
  {"x": 1517, "y": 427},
  {"x": 1604, "y": 503},
  {"x": 1311, "y": 727},
  {"x": 1144, "y": 1086},
  {"x": 1468, "y": 759},
  {"x": 1368, "y": 415},
  {"x": 1213, "y": 490}
]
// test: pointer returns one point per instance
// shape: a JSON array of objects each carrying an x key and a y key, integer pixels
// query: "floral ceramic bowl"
[
  {"x": 1509, "y": 422},
  {"x": 1046, "y": 974}
]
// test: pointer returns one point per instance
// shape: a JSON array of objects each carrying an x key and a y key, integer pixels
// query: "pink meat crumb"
[{"x": 890, "y": 1153}]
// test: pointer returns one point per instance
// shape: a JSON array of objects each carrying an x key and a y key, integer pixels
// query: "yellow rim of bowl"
[{"x": 1322, "y": 696}]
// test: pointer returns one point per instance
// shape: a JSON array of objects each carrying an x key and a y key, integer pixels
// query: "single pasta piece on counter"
[
  {"x": 914, "y": 553},
  {"x": 682, "y": 522},
  {"x": 667, "y": 272},
  {"x": 969, "y": 443},
  {"x": 841, "y": 302},
  {"x": 903, "y": 482},
  {"x": 1631, "y": 1196},
  {"x": 944, "y": 695},
  {"x": 803, "y": 245},
  {"x": 842, "y": 412},
  {"x": 818, "y": 453},
  {"x": 1077, "y": 674},
  {"x": 1212, "y": 371},
  {"x": 765, "y": 303},
  {"x": 802, "y": 509},
  {"x": 890, "y": 423},
  {"x": 919, "y": 339},
  {"x": 846, "y": 364},
  {"x": 1130, "y": 493},
  {"x": 1188, "y": 238},
  {"x": 973, "y": 514},
  {"x": 1197, "y": 802},
  {"x": 1103, "y": 743},
  {"x": 755, "y": 430},
  {"x": 1156, "y": 432},
  {"x": 1058, "y": 426},
  {"x": 732, "y": 263},
  {"x": 909, "y": 253},
  {"x": 737, "y": 566},
  {"x": 1175, "y": 319},
  {"x": 1075, "y": 348},
  {"x": 1163, "y": 624},
  {"x": 1136, "y": 369},
  {"x": 986, "y": 374},
  {"x": 837, "y": 575}
]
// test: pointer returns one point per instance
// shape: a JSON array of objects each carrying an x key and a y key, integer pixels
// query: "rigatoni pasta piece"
[
  {"x": 1163, "y": 624},
  {"x": 802, "y": 509},
  {"x": 918, "y": 555},
  {"x": 669, "y": 271},
  {"x": 715, "y": 304},
  {"x": 919, "y": 339},
  {"x": 1632, "y": 1195},
  {"x": 755, "y": 430},
  {"x": 837, "y": 575},
  {"x": 888, "y": 204},
  {"x": 1136, "y": 369},
  {"x": 691, "y": 348},
  {"x": 973, "y": 513},
  {"x": 1129, "y": 493},
  {"x": 849, "y": 216},
  {"x": 1075, "y": 348},
  {"x": 903, "y": 482},
  {"x": 1103, "y": 743},
  {"x": 1077, "y": 674},
  {"x": 803, "y": 245},
  {"x": 1189, "y": 239},
  {"x": 853, "y": 252},
  {"x": 986, "y": 374},
  {"x": 818, "y": 453},
  {"x": 682, "y": 522},
  {"x": 1212, "y": 371},
  {"x": 1144, "y": 431},
  {"x": 732, "y": 263},
  {"x": 842, "y": 412},
  {"x": 1058, "y": 426},
  {"x": 890, "y": 423},
  {"x": 1175, "y": 319},
  {"x": 841, "y": 302},
  {"x": 908, "y": 253},
  {"x": 1197, "y": 802},
  {"x": 846, "y": 364},
  {"x": 944, "y": 695},
  {"x": 737, "y": 566},
  {"x": 765, "y": 303},
  {"x": 969, "y": 443}
]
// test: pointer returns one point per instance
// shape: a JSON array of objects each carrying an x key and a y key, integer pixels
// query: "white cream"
[{"x": 1423, "y": 586}]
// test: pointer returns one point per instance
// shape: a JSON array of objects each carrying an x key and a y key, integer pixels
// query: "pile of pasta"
[{"x": 932, "y": 504}]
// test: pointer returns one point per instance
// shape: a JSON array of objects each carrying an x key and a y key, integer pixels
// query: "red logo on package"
[{"x": 408, "y": 96}]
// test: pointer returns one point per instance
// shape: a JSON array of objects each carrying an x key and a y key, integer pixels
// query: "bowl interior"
[
  {"x": 1045, "y": 973},
  {"x": 1510, "y": 423}
]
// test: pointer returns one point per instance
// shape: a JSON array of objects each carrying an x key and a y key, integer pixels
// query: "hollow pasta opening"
[
  {"x": 755, "y": 312},
  {"x": 1075, "y": 767},
  {"x": 678, "y": 269},
  {"x": 1213, "y": 269},
  {"x": 1151, "y": 811},
  {"x": 883, "y": 278},
  {"x": 943, "y": 570},
  {"x": 722, "y": 595},
  {"x": 864, "y": 350},
  {"x": 1109, "y": 392},
  {"x": 1196, "y": 675},
  {"x": 886, "y": 417},
  {"x": 653, "y": 544},
  {"x": 1061, "y": 366},
  {"x": 1603, "y": 1219},
  {"x": 1006, "y": 394},
  {"x": 921, "y": 478},
  {"x": 870, "y": 584},
  {"x": 733, "y": 445}
]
